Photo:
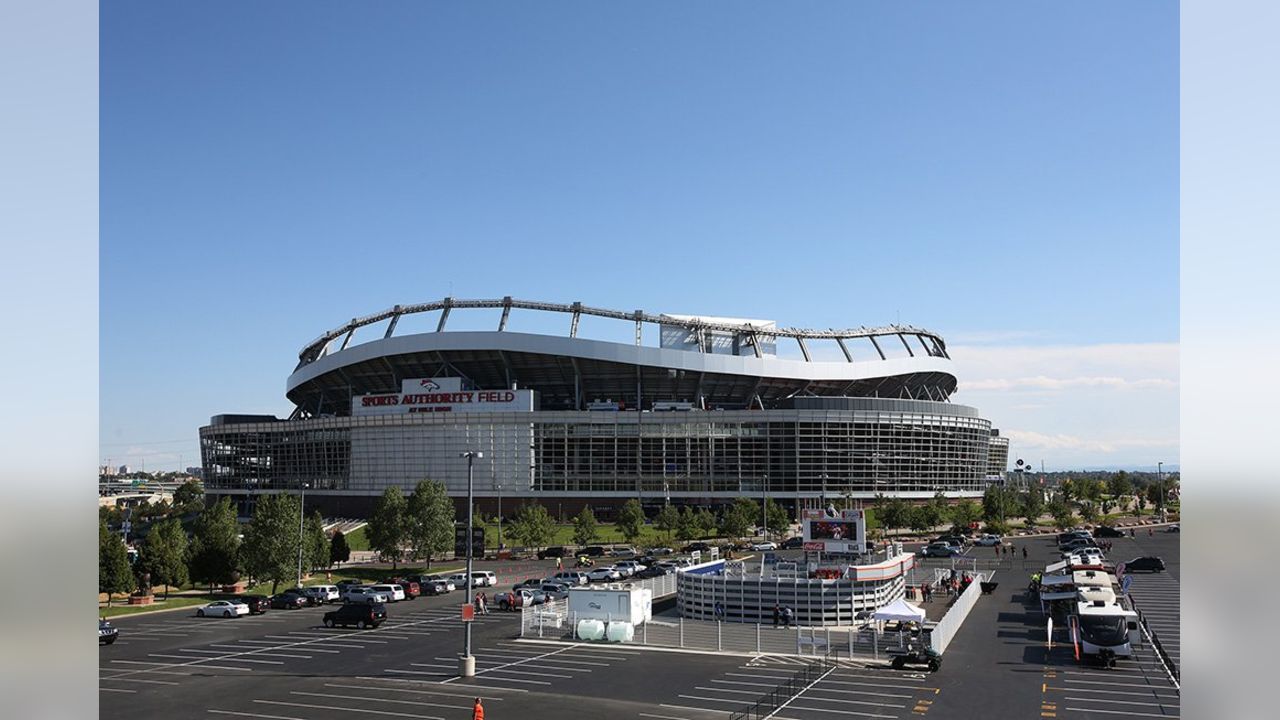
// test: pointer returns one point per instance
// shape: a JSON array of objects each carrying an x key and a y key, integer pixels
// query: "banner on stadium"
[{"x": 441, "y": 395}]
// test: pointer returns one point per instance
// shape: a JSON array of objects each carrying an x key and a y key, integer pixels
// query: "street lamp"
[
  {"x": 764, "y": 506},
  {"x": 1160, "y": 482},
  {"x": 467, "y": 663},
  {"x": 499, "y": 516},
  {"x": 302, "y": 507}
]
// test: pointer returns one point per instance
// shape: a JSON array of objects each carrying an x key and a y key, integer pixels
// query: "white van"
[
  {"x": 323, "y": 593},
  {"x": 484, "y": 578}
]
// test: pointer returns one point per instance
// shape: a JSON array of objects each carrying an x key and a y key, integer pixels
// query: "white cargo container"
[{"x": 633, "y": 605}]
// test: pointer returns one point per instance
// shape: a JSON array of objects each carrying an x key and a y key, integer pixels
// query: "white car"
[
  {"x": 484, "y": 578},
  {"x": 764, "y": 546},
  {"x": 323, "y": 593},
  {"x": 989, "y": 540},
  {"x": 603, "y": 574},
  {"x": 629, "y": 567},
  {"x": 222, "y": 608},
  {"x": 364, "y": 594},
  {"x": 395, "y": 592}
]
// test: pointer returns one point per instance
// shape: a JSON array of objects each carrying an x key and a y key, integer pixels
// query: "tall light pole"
[
  {"x": 1160, "y": 482},
  {"x": 302, "y": 507},
  {"x": 467, "y": 663},
  {"x": 499, "y": 516},
  {"x": 764, "y": 506}
]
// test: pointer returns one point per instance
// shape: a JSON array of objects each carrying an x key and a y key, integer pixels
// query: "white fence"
[{"x": 941, "y": 634}]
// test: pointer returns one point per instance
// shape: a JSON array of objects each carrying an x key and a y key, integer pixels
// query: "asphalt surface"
[{"x": 286, "y": 665}]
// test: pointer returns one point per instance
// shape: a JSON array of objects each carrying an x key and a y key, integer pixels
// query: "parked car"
[
  {"x": 622, "y": 551},
  {"x": 654, "y": 571},
  {"x": 696, "y": 546},
  {"x": 603, "y": 573},
  {"x": 450, "y": 585},
  {"x": 1173, "y": 528},
  {"x": 1072, "y": 535},
  {"x": 989, "y": 540},
  {"x": 952, "y": 540},
  {"x": 364, "y": 595},
  {"x": 760, "y": 546},
  {"x": 484, "y": 578},
  {"x": 107, "y": 633},
  {"x": 222, "y": 608},
  {"x": 593, "y": 551},
  {"x": 792, "y": 543},
  {"x": 553, "y": 552},
  {"x": 363, "y": 616},
  {"x": 435, "y": 587},
  {"x": 571, "y": 577},
  {"x": 628, "y": 568},
  {"x": 258, "y": 604},
  {"x": 1108, "y": 532},
  {"x": 1144, "y": 564},
  {"x": 288, "y": 601},
  {"x": 393, "y": 592},
  {"x": 517, "y": 599},
  {"x": 411, "y": 587},
  {"x": 1077, "y": 544},
  {"x": 939, "y": 550},
  {"x": 660, "y": 551},
  {"x": 554, "y": 591},
  {"x": 322, "y": 593}
]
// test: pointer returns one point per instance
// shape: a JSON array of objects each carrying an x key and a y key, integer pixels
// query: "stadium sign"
[
  {"x": 441, "y": 395},
  {"x": 843, "y": 533}
]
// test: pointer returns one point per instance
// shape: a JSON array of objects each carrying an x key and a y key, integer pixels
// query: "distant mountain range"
[{"x": 1108, "y": 468}]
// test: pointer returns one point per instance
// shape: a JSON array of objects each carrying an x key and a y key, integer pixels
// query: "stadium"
[{"x": 715, "y": 409}]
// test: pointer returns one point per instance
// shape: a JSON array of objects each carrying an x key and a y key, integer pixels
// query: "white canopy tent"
[{"x": 900, "y": 610}]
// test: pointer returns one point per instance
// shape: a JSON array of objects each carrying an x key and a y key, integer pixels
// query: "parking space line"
[
  {"x": 377, "y": 699},
  {"x": 149, "y": 682},
  {"x": 1151, "y": 693},
  {"x": 837, "y": 712},
  {"x": 535, "y": 674},
  {"x": 358, "y": 711},
  {"x": 1121, "y": 712},
  {"x": 119, "y": 690},
  {"x": 255, "y": 715},
  {"x": 507, "y": 679},
  {"x": 144, "y": 662},
  {"x": 1116, "y": 684},
  {"x": 687, "y": 707},
  {"x": 859, "y": 692},
  {"x": 412, "y": 690},
  {"x": 188, "y": 657},
  {"x": 518, "y": 662},
  {"x": 433, "y": 684},
  {"x": 1119, "y": 702},
  {"x": 264, "y": 653},
  {"x": 417, "y": 672},
  {"x": 184, "y": 657},
  {"x": 269, "y": 646}
]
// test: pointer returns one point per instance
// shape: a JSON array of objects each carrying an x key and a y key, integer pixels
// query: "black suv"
[
  {"x": 1144, "y": 564},
  {"x": 1103, "y": 531},
  {"x": 258, "y": 604},
  {"x": 364, "y": 616},
  {"x": 593, "y": 551},
  {"x": 552, "y": 552},
  {"x": 698, "y": 546},
  {"x": 792, "y": 543}
]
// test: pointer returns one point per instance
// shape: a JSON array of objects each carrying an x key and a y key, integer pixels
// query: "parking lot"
[{"x": 286, "y": 664}]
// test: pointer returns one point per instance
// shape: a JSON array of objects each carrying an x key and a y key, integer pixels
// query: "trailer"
[{"x": 611, "y": 604}]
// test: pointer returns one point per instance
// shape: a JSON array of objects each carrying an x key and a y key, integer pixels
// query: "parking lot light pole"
[
  {"x": 1160, "y": 482},
  {"x": 301, "y": 538},
  {"x": 764, "y": 507},
  {"x": 467, "y": 663}
]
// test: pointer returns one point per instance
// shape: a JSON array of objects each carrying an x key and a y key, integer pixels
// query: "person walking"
[
  {"x": 776, "y": 614},
  {"x": 1024, "y": 553},
  {"x": 997, "y": 549},
  {"x": 477, "y": 712},
  {"x": 559, "y": 564}
]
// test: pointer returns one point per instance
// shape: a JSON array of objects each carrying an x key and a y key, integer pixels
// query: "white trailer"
[{"x": 632, "y": 604}]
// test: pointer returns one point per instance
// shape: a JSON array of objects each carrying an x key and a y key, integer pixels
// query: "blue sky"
[{"x": 1004, "y": 173}]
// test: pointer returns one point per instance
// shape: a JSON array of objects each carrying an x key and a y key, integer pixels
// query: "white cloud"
[{"x": 1076, "y": 405}]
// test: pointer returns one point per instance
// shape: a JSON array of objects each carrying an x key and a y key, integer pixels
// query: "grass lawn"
[
  {"x": 357, "y": 539},
  {"x": 174, "y": 601}
]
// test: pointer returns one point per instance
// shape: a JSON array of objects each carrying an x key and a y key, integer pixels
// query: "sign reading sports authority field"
[{"x": 441, "y": 395}]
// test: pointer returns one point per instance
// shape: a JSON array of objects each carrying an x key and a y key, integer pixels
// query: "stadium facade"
[{"x": 711, "y": 413}]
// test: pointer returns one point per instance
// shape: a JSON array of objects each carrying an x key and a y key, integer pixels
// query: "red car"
[{"x": 411, "y": 588}]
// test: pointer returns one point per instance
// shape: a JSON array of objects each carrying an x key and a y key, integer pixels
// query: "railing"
[
  {"x": 942, "y": 633},
  {"x": 1166, "y": 660},
  {"x": 782, "y": 695}
]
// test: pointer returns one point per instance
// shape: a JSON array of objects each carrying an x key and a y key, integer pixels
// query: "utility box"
[{"x": 633, "y": 605}]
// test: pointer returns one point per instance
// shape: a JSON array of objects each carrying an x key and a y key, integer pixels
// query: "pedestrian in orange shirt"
[{"x": 477, "y": 713}]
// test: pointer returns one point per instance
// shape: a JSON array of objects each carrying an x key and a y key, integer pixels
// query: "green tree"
[
  {"x": 686, "y": 524},
  {"x": 339, "y": 551},
  {"x": 1067, "y": 490},
  {"x": 215, "y": 544},
  {"x": 998, "y": 504},
  {"x": 894, "y": 513},
  {"x": 430, "y": 520},
  {"x": 188, "y": 498},
  {"x": 1089, "y": 511},
  {"x": 918, "y": 518},
  {"x": 778, "y": 517},
  {"x": 1031, "y": 506},
  {"x": 736, "y": 520},
  {"x": 1063, "y": 517},
  {"x": 316, "y": 543},
  {"x": 965, "y": 513},
  {"x": 115, "y": 575},
  {"x": 1119, "y": 485},
  {"x": 936, "y": 510},
  {"x": 164, "y": 554},
  {"x": 706, "y": 522},
  {"x": 667, "y": 520},
  {"x": 272, "y": 540},
  {"x": 387, "y": 527},
  {"x": 533, "y": 526},
  {"x": 585, "y": 527},
  {"x": 631, "y": 520}
]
